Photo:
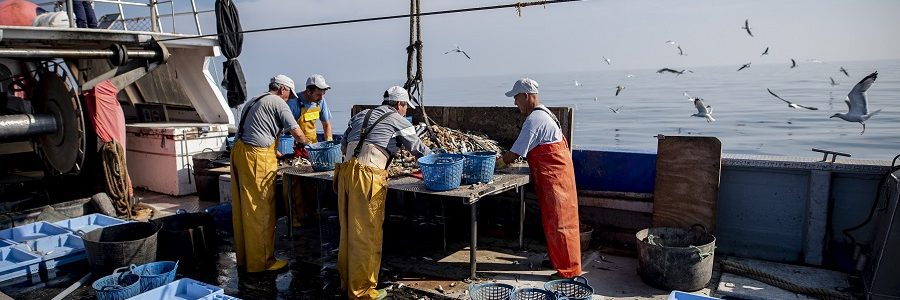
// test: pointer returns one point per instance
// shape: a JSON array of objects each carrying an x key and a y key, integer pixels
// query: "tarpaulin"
[
  {"x": 17, "y": 12},
  {"x": 228, "y": 26},
  {"x": 106, "y": 112}
]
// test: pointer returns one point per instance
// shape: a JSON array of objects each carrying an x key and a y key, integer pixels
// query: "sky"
[{"x": 558, "y": 38}]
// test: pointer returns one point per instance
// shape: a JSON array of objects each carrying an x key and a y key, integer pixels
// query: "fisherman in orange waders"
[
  {"x": 309, "y": 107},
  {"x": 542, "y": 143},
  {"x": 253, "y": 166}
]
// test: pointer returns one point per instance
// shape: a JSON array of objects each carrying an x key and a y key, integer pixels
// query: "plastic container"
[
  {"x": 679, "y": 295},
  {"x": 286, "y": 144},
  {"x": 479, "y": 167},
  {"x": 533, "y": 294},
  {"x": 155, "y": 274},
  {"x": 121, "y": 285},
  {"x": 185, "y": 289},
  {"x": 120, "y": 245},
  {"x": 88, "y": 222},
  {"x": 324, "y": 155},
  {"x": 576, "y": 288},
  {"x": 15, "y": 262},
  {"x": 56, "y": 250},
  {"x": 223, "y": 297},
  {"x": 31, "y": 231},
  {"x": 442, "y": 172},
  {"x": 491, "y": 291}
]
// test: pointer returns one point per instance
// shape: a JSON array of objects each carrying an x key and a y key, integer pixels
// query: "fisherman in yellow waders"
[
  {"x": 309, "y": 107},
  {"x": 372, "y": 137},
  {"x": 253, "y": 166}
]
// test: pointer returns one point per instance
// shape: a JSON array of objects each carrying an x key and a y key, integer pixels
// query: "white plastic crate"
[{"x": 182, "y": 289}]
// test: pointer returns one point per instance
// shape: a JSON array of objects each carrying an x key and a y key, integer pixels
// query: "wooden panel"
[
  {"x": 687, "y": 181},
  {"x": 499, "y": 123}
]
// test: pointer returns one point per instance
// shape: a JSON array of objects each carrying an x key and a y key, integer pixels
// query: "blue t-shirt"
[{"x": 295, "y": 105}]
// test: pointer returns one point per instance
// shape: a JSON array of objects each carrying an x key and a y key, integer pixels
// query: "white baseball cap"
[
  {"x": 318, "y": 81},
  {"x": 285, "y": 81},
  {"x": 396, "y": 93},
  {"x": 524, "y": 85}
]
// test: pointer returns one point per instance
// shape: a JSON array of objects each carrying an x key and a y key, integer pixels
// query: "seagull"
[
  {"x": 577, "y": 83},
  {"x": 676, "y": 45},
  {"x": 858, "y": 110},
  {"x": 791, "y": 104},
  {"x": 747, "y": 65},
  {"x": 844, "y": 71},
  {"x": 747, "y": 27},
  {"x": 765, "y": 52},
  {"x": 595, "y": 99},
  {"x": 703, "y": 110},
  {"x": 688, "y": 96},
  {"x": 629, "y": 75},
  {"x": 619, "y": 89},
  {"x": 793, "y": 63},
  {"x": 673, "y": 71},
  {"x": 460, "y": 51},
  {"x": 671, "y": 42},
  {"x": 616, "y": 110},
  {"x": 681, "y": 52},
  {"x": 832, "y": 81},
  {"x": 608, "y": 61}
]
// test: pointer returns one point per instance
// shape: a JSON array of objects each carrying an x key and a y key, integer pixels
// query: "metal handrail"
[{"x": 154, "y": 15}]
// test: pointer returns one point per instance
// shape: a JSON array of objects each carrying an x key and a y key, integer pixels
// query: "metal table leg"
[
  {"x": 521, "y": 190},
  {"x": 444, "y": 224},
  {"x": 289, "y": 203},
  {"x": 473, "y": 261}
]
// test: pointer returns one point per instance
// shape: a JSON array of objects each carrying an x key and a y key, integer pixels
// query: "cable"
[
  {"x": 894, "y": 168},
  {"x": 517, "y": 5}
]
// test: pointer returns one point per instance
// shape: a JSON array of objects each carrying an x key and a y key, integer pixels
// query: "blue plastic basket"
[
  {"x": 479, "y": 167},
  {"x": 155, "y": 274},
  {"x": 15, "y": 262},
  {"x": 286, "y": 144},
  {"x": 118, "y": 286},
  {"x": 88, "y": 222},
  {"x": 533, "y": 294},
  {"x": 491, "y": 291},
  {"x": 576, "y": 288},
  {"x": 324, "y": 155},
  {"x": 442, "y": 172}
]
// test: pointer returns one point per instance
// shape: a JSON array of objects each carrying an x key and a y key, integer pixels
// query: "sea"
[{"x": 748, "y": 119}]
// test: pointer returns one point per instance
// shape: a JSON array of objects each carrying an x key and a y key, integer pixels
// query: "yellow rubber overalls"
[
  {"x": 307, "y": 120},
  {"x": 362, "y": 189}
]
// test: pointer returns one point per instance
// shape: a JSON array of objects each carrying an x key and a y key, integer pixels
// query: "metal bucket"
[
  {"x": 675, "y": 258},
  {"x": 120, "y": 245}
]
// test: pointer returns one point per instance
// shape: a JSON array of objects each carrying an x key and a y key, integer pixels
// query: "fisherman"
[
  {"x": 308, "y": 107},
  {"x": 253, "y": 165},
  {"x": 372, "y": 137},
  {"x": 542, "y": 143}
]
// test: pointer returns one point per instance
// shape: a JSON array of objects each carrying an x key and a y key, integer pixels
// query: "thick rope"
[
  {"x": 756, "y": 274},
  {"x": 116, "y": 177}
]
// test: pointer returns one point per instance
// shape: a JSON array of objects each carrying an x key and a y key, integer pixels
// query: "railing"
[{"x": 151, "y": 22}]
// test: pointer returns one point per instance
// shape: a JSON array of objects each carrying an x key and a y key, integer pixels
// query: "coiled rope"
[
  {"x": 116, "y": 179},
  {"x": 756, "y": 274}
]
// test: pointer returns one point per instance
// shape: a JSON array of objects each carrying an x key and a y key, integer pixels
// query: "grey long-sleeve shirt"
[{"x": 389, "y": 134}]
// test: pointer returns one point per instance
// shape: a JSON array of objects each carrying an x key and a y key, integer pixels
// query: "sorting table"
[{"x": 513, "y": 177}]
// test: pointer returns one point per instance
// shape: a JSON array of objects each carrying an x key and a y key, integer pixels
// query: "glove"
[
  {"x": 417, "y": 174},
  {"x": 500, "y": 164},
  {"x": 300, "y": 151}
]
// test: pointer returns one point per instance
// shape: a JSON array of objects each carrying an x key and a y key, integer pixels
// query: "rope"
[
  {"x": 116, "y": 177},
  {"x": 756, "y": 274}
]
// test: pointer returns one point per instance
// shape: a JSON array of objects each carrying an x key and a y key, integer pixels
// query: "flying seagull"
[
  {"x": 858, "y": 105},
  {"x": 607, "y": 60},
  {"x": 616, "y": 110},
  {"x": 765, "y": 52},
  {"x": 747, "y": 27},
  {"x": 832, "y": 81},
  {"x": 619, "y": 89},
  {"x": 791, "y": 104},
  {"x": 671, "y": 42},
  {"x": 460, "y": 51},
  {"x": 681, "y": 52},
  {"x": 747, "y": 65},
  {"x": 673, "y": 71},
  {"x": 629, "y": 75},
  {"x": 577, "y": 83},
  {"x": 703, "y": 110},
  {"x": 844, "y": 71},
  {"x": 677, "y": 46},
  {"x": 793, "y": 63}
]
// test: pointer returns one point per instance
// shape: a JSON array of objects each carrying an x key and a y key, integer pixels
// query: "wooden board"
[{"x": 687, "y": 181}]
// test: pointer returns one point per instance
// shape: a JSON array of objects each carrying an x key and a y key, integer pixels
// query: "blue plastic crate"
[
  {"x": 679, "y": 295},
  {"x": 479, "y": 167},
  {"x": 324, "y": 155},
  {"x": 442, "y": 172},
  {"x": 31, "y": 231},
  {"x": 56, "y": 250},
  {"x": 185, "y": 288},
  {"x": 286, "y": 144},
  {"x": 7, "y": 243},
  {"x": 88, "y": 222},
  {"x": 15, "y": 262}
]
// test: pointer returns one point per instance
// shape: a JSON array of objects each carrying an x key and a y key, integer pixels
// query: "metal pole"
[
  {"x": 84, "y": 54},
  {"x": 122, "y": 17},
  {"x": 172, "y": 5},
  {"x": 26, "y": 125},
  {"x": 154, "y": 17},
  {"x": 473, "y": 261},
  {"x": 289, "y": 203},
  {"x": 196, "y": 16},
  {"x": 521, "y": 190},
  {"x": 444, "y": 224},
  {"x": 69, "y": 5}
]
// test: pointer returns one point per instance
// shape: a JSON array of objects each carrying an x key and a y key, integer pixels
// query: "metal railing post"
[
  {"x": 155, "y": 24},
  {"x": 172, "y": 5},
  {"x": 196, "y": 16},
  {"x": 122, "y": 17},
  {"x": 69, "y": 5}
]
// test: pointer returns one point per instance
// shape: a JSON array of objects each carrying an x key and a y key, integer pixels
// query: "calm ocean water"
[{"x": 749, "y": 120}]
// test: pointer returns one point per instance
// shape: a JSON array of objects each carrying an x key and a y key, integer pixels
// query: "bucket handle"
[
  {"x": 80, "y": 233},
  {"x": 701, "y": 227},
  {"x": 180, "y": 211},
  {"x": 580, "y": 278},
  {"x": 700, "y": 254},
  {"x": 127, "y": 269}
]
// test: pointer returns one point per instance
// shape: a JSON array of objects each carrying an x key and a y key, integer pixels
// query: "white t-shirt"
[{"x": 539, "y": 128}]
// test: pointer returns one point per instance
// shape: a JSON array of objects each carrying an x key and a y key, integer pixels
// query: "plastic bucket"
[
  {"x": 442, "y": 172},
  {"x": 118, "y": 286},
  {"x": 155, "y": 274},
  {"x": 491, "y": 291},
  {"x": 479, "y": 167},
  {"x": 324, "y": 155},
  {"x": 675, "y": 258},
  {"x": 576, "y": 288},
  {"x": 533, "y": 294}
]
